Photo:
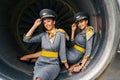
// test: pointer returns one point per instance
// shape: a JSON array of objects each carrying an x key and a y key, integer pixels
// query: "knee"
[{"x": 37, "y": 78}]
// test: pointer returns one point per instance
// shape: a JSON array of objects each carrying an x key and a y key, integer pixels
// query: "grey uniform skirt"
[
  {"x": 74, "y": 56},
  {"x": 45, "y": 70}
]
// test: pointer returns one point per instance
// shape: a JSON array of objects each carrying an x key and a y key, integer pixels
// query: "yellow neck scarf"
[{"x": 52, "y": 34}]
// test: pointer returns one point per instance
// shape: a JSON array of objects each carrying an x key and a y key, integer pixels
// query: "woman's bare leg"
[
  {"x": 37, "y": 78},
  {"x": 31, "y": 56}
]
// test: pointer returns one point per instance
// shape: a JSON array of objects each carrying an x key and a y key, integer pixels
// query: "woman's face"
[
  {"x": 49, "y": 24},
  {"x": 82, "y": 24}
]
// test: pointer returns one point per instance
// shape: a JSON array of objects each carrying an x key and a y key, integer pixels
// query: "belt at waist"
[
  {"x": 81, "y": 49},
  {"x": 49, "y": 54}
]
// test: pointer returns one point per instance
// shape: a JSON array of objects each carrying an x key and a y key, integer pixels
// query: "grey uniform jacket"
[{"x": 73, "y": 54}]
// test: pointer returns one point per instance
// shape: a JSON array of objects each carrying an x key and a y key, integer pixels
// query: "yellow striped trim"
[
  {"x": 27, "y": 37},
  {"x": 79, "y": 48},
  {"x": 63, "y": 61},
  {"x": 89, "y": 32},
  {"x": 86, "y": 56},
  {"x": 91, "y": 57},
  {"x": 61, "y": 30},
  {"x": 49, "y": 54}
]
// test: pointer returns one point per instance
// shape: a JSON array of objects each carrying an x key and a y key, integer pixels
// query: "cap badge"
[
  {"x": 78, "y": 17},
  {"x": 44, "y": 13}
]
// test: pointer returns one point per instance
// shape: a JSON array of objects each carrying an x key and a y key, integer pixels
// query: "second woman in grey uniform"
[
  {"x": 52, "y": 44},
  {"x": 82, "y": 43}
]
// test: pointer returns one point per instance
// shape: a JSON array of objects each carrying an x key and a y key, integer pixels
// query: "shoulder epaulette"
[
  {"x": 61, "y": 30},
  {"x": 89, "y": 32}
]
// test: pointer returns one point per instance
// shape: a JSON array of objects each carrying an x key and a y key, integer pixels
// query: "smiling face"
[
  {"x": 82, "y": 24},
  {"x": 49, "y": 23}
]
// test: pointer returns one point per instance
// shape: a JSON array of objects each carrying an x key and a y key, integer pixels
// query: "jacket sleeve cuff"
[
  {"x": 26, "y": 37},
  {"x": 63, "y": 61},
  {"x": 86, "y": 56}
]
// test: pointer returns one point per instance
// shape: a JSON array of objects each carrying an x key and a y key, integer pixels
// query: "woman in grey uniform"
[
  {"x": 82, "y": 43},
  {"x": 53, "y": 46}
]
